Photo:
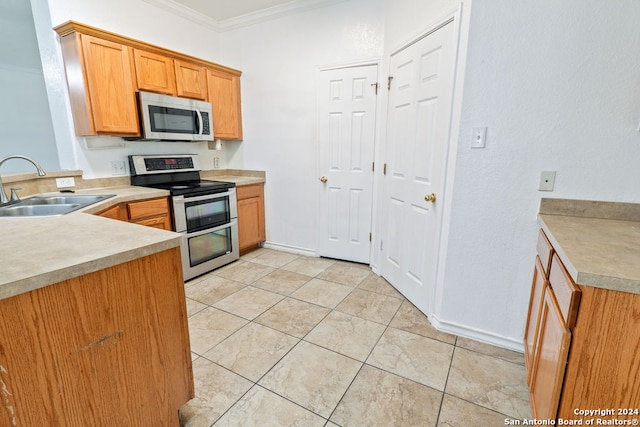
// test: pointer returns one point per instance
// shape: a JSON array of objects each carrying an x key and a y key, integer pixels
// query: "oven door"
[
  {"x": 207, "y": 250},
  {"x": 193, "y": 214}
]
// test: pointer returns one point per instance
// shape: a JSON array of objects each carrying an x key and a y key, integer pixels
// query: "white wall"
[
  {"x": 280, "y": 60},
  {"x": 139, "y": 20},
  {"x": 558, "y": 86}
]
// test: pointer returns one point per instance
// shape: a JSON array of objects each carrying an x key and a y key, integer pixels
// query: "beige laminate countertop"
[
  {"x": 598, "y": 242},
  {"x": 40, "y": 251}
]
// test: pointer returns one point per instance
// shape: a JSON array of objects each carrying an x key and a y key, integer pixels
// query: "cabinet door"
[
  {"x": 114, "y": 212},
  {"x": 108, "y": 71},
  {"x": 154, "y": 73},
  {"x": 550, "y": 360},
  {"x": 251, "y": 222},
  {"x": 224, "y": 96},
  {"x": 538, "y": 287},
  {"x": 190, "y": 80},
  {"x": 250, "y": 227}
]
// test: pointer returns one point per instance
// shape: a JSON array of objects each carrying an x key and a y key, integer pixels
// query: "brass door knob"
[
  {"x": 323, "y": 179},
  {"x": 430, "y": 198}
]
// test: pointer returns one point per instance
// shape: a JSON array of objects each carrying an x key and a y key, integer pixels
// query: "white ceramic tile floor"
[{"x": 280, "y": 339}]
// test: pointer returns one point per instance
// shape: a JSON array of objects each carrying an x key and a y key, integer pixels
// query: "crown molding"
[
  {"x": 274, "y": 12},
  {"x": 185, "y": 12},
  {"x": 251, "y": 18}
]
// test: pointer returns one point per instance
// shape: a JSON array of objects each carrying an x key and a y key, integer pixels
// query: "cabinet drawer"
[
  {"x": 147, "y": 208},
  {"x": 566, "y": 292},
  {"x": 545, "y": 251},
  {"x": 249, "y": 191}
]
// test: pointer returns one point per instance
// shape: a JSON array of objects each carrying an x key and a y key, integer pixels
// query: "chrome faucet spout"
[{"x": 3, "y": 196}]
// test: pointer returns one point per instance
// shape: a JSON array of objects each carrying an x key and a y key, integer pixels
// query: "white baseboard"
[
  {"x": 291, "y": 249},
  {"x": 477, "y": 334}
]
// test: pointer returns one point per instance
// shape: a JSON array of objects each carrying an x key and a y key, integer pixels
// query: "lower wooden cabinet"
[
  {"x": 152, "y": 213},
  {"x": 251, "y": 221},
  {"x": 108, "y": 348},
  {"x": 581, "y": 344}
]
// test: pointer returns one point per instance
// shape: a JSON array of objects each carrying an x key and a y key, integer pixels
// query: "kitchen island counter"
[{"x": 40, "y": 251}]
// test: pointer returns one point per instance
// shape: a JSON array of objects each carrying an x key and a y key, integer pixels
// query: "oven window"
[
  {"x": 173, "y": 120},
  {"x": 208, "y": 246},
  {"x": 209, "y": 213}
]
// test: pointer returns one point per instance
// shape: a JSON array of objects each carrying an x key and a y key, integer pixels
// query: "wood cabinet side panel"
[
  {"x": 603, "y": 370},
  {"x": 71, "y": 46},
  {"x": 107, "y": 348}
]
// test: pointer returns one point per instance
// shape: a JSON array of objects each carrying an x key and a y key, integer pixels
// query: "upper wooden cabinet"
[
  {"x": 224, "y": 96},
  {"x": 191, "y": 80},
  {"x": 154, "y": 73},
  {"x": 100, "y": 79},
  {"x": 104, "y": 76}
]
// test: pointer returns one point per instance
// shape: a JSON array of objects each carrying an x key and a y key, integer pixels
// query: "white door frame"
[{"x": 460, "y": 17}]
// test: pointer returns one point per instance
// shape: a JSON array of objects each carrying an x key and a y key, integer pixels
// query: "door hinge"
[
  {"x": 375, "y": 85},
  {"x": 373, "y": 166},
  {"x": 370, "y": 237},
  {"x": 389, "y": 82},
  {"x": 384, "y": 169}
]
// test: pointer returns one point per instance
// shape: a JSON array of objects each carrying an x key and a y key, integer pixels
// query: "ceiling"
[
  {"x": 228, "y": 14},
  {"x": 221, "y": 10}
]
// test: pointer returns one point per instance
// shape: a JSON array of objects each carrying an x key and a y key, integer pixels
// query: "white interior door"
[
  {"x": 346, "y": 123},
  {"x": 418, "y": 122}
]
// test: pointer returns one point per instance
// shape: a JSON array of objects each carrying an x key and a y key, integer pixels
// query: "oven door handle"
[
  {"x": 183, "y": 199},
  {"x": 229, "y": 224}
]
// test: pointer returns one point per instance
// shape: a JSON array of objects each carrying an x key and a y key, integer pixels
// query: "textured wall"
[
  {"x": 558, "y": 86},
  {"x": 281, "y": 60}
]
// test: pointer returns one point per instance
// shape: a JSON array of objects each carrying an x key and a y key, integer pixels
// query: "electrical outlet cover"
[{"x": 547, "y": 180}]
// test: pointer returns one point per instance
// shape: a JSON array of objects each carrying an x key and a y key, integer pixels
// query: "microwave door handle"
[{"x": 200, "y": 123}]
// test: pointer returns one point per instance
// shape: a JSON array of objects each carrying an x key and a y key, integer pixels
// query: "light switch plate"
[
  {"x": 479, "y": 139},
  {"x": 547, "y": 180}
]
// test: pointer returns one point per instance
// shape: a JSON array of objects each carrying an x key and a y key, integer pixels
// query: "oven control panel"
[{"x": 143, "y": 165}]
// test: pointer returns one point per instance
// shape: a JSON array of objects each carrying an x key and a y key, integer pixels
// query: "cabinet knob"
[
  {"x": 323, "y": 179},
  {"x": 430, "y": 198}
]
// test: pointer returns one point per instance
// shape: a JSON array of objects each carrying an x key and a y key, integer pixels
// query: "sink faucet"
[{"x": 3, "y": 196}]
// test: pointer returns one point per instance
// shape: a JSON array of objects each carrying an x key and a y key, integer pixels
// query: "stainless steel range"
[{"x": 204, "y": 211}]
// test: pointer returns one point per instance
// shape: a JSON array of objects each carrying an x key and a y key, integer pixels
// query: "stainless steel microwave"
[{"x": 169, "y": 118}]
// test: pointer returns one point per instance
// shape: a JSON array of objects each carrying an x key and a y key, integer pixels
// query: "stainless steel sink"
[
  {"x": 63, "y": 200},
  {"x": 50, "y": 205}
]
